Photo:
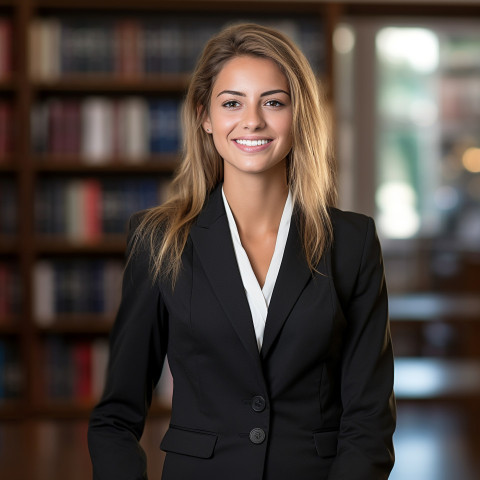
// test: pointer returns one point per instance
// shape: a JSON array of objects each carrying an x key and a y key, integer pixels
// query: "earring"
[{"x": 208, "y": 130}]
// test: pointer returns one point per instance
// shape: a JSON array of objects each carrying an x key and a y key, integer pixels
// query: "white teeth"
[{"x": 252, "y": 143}]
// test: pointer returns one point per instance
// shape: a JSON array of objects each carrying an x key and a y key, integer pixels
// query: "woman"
[{"x": 270, "y": 303}]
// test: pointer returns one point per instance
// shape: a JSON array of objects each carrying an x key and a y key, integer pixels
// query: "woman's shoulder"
[{"x": 349, "y": 225}]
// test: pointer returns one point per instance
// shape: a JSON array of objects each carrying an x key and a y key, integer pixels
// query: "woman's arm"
[
  {"x": 138, "y": 344},
  {"x": 365, "y": 449}
]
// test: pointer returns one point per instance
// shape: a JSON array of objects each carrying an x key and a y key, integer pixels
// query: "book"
[
  {"x": 8, "y": 207},
  {"x": 76, "y": 287},
  {"x": 6, "y": 34},
  {"x": 10, "y": 292},
  {"x": 6, "y": 130},
  {"x": 128, "y": 48},
  {"x": 11, "y": 372},
  {"x": 97, "y": 130}
]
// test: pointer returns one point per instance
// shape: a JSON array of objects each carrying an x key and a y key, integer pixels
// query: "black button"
[
  {"x": 257, "y": 436},
  {"x": 258, "y": 403}
]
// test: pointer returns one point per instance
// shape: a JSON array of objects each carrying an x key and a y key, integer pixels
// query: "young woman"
[{"x": 270, "y": 303}]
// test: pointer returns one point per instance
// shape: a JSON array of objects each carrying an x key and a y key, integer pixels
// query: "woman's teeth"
[{"x": 253, "y": 143}]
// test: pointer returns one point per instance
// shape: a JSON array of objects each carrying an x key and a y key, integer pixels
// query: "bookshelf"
[
  {"x": 77, "y": 80},
  {"x": 35, "y": 162}
]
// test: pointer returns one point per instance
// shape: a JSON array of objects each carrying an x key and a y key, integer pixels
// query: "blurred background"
[{"x": 89, "y": 132}]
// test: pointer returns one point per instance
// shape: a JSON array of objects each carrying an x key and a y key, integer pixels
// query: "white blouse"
[{"x": 259, "y": 298}]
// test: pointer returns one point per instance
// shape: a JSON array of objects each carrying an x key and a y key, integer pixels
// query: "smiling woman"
[{"x": 270, "y": 303}]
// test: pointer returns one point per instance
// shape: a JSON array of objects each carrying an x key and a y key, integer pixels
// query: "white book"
[
  {"x": 134, "y": 129},
  {"x": 97, "y": 130},
  {"x": 45, "y": 49},
  {"x": 44, "y": 294}
]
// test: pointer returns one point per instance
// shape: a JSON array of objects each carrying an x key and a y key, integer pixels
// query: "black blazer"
[{"x": 315, "y": 403}]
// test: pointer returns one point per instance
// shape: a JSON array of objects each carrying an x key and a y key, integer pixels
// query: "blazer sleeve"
[
  {"x": 138, "y": 344},
  {"x": 365, "y": 448}
]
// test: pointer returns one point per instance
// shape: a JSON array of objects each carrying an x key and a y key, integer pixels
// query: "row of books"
[
  {"x": 6, "y": 36},
  {"x": 8, "y": 207},
  {"x": 11, "y": 373},
  {"x": 87, "y": 209},
  {"x": 74, "y": 287},
  {"x": 100, "y": 129},
  {"x": 135, "y": 46},
  {"x": 76, "y": 370},
  {"x": 6, "y": 128},
  {"x": 10, "y": 299}
]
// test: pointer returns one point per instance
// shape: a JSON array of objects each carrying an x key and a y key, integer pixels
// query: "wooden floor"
[{"x": 432, "y": 443}]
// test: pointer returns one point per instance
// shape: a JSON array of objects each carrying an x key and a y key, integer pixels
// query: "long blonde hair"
[{"x": 310, "y": 171}]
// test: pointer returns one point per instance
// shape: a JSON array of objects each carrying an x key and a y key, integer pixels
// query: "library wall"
[{"x": 90, "y": 107}]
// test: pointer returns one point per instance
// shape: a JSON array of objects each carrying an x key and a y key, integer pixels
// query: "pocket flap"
[
  {"x": 326, "y": 443},
  {"x": 189, "y": 442}
]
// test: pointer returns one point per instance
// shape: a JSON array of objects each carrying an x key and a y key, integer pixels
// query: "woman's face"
[{"x": 250, "y": 116}]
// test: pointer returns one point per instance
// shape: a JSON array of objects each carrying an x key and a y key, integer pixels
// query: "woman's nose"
[{"x": 253, "y": 118}]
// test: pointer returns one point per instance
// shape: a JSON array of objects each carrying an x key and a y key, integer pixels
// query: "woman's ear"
[{"x": 206, "y": 123}]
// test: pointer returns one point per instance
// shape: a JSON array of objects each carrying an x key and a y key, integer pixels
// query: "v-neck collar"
[{"x": 258, "y": 297}]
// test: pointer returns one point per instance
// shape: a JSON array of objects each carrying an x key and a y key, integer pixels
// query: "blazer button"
[
  {"x": 257, "y": 435},
  {"x": 258, "y": 403}
]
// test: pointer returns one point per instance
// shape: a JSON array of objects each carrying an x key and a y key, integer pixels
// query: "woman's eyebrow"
[{"x": 240, "y": 94}]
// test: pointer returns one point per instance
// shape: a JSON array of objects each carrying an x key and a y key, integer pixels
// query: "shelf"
[
  {"x": 7, "y": 165},
  {"x": 11, "y": 409},
  {"x": 152, "y": 164},
  {"x": 109, "y": 83},
  {"x": 109, "y": 245},
  {"x": 85, "y": 324},
  {"x": 8, "y": 246},
  {"x": 7, "y": 84},
  {"x": 10, "y": 326}
]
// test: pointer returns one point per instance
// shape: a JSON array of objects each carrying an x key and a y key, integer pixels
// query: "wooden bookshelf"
[{"x": 28, "y": 168}]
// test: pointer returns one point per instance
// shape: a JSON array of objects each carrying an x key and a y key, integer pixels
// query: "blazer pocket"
[
  {"x": 326, "y": 443},
  {"x": 194, "y": 443}
]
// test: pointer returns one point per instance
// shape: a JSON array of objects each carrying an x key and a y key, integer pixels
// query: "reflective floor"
[{"x": 432, "y": 443}]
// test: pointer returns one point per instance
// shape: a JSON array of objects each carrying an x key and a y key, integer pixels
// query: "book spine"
[{"x": 5, "y": 47}]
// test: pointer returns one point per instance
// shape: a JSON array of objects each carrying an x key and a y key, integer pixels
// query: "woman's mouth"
[{"x": 252, "y": 145}]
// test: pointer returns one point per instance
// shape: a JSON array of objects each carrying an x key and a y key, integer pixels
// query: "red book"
[
  {"x": 93, "y": 205},
  {"x": 82, "y": 361},
  {"x": 128, "y": 48}
]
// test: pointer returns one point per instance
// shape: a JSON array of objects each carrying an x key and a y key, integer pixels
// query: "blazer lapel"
[
  {"x": 212, "y": 240},
  {"x": 292, "y": 278}
]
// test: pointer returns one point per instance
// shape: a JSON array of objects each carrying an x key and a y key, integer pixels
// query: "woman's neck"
[{"x": 256, "y": 204}]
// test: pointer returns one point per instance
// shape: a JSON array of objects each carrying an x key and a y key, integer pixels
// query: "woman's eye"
[
  {"x": 231, "y": 104},
  {"x": 274, "y": 103}
]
